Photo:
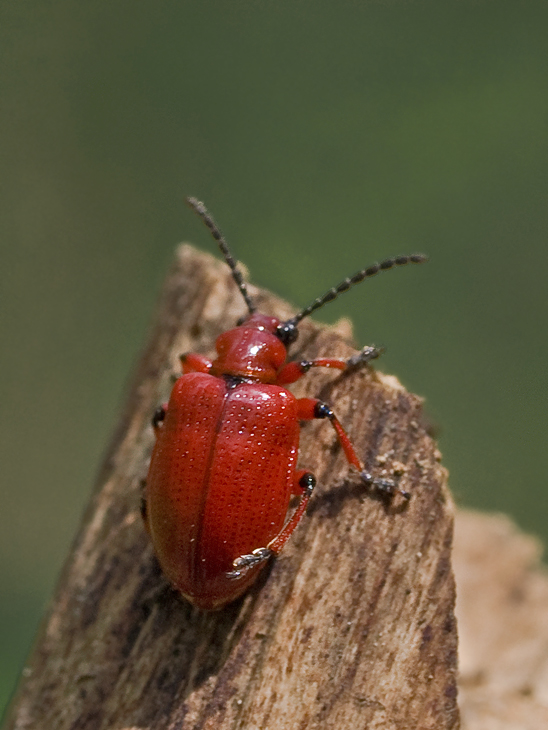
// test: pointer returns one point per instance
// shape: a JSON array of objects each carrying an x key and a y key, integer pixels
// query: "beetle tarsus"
[
  {"x": 368, "y": 353},
  {"x": 385, "y": 487},
  {"x": 245, "y": 562}
]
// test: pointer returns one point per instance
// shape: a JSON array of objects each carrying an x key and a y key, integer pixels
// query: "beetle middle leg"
[{"x": 312, "y": 408}]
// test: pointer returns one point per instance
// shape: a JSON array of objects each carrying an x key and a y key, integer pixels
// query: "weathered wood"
[
  {"x": 502, "y": 609},
  {"x": 352, "y": 627}
]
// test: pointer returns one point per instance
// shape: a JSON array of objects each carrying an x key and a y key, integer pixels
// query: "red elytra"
[{"x": 224, "y": 466}]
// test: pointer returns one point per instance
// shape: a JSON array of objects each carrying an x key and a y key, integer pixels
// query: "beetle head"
[{"x": 286, "y": 332}]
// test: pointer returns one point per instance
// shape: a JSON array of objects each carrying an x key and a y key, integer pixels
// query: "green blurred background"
[{"x": 323, "y": 136}]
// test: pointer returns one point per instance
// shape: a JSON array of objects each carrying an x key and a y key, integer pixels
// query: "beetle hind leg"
[
  {"x": 304, "y": 485},
  {"x": 242, "y": 564}
]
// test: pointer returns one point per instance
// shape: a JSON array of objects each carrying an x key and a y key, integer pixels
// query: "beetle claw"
[{"x": 245, "y": 562}]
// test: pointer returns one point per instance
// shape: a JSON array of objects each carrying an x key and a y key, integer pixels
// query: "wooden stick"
[{"x": 352, "y": 627}]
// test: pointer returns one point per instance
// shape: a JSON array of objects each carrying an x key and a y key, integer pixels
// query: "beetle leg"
[
  {"x": 305, "y": 482},
  {"x": 192, "y": 362},
  {"x": 143, "y": 505},
  {"x": 158, "y": 417},
  {"x": 386, "y": 487},
  {"x": 292, "y": 371},
  {"x": 311, "y": 408},
  {"x": 304, "y": 485},
  {"x": 366, "y": 354},
  {"x": 300, "y": 482},
  {"x": 245, "y": 562}
]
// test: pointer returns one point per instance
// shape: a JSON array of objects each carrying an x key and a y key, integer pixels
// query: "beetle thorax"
[{"x": 251, "y": 350}]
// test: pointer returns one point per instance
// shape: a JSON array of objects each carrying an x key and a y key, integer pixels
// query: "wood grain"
[{"x": 352, "y": 627}]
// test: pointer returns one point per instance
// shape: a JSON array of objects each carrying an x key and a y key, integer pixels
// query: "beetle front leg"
[
  {"x": 304, "y": 485},
  {"x": 192, "y": 362},
  {"x": 366, "y": 354},
  {"x": 292, "y": 371},
  {"x": 311, "y": 408}
]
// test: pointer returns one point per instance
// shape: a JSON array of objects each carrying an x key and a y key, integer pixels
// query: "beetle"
[{"x": 224, "y": 464}]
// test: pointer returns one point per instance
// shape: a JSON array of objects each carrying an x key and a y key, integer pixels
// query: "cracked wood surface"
[{"x": 352, "y": 627}]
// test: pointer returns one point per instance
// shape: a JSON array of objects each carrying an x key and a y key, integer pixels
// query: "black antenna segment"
[
  {"x": 199, "y": 208},
  {"x": 416, "y": 258}
]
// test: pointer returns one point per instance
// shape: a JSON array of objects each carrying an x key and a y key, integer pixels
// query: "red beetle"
[{"x": 224, "y": 466}]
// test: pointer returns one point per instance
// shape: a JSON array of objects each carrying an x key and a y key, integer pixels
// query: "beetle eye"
[{"x": 287, "y": 333}]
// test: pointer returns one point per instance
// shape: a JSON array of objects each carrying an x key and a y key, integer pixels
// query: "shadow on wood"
[{"x": 352, "y": 627}]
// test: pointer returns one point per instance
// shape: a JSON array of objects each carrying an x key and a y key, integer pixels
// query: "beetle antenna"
[
  {"x": 416, "y": 258},
  {"x": 199, "y": 208}
]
